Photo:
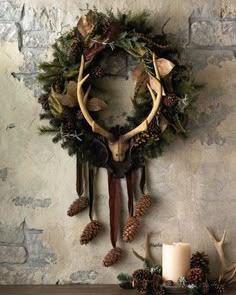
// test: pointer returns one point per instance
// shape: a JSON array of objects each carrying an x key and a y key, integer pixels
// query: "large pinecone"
[
  {"x": 90, "y": 232},
  {"x": 112, "y": 257},
  {"x": 204, "y": 288},
  {"x": 141, "y": 274},
  {"x": 143, "y": 287},
  {"x": 216, "y": 286},
  {"x": 195, "y": 276},
  {"x": 200, "y": 259},
  {"x": 142, "y": 205},
  {"x": 78, "y": 205},
  {"x": 130, "y": 229}
]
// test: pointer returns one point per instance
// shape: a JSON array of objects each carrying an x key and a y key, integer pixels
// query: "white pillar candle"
[{"x": 175, "y": 260}]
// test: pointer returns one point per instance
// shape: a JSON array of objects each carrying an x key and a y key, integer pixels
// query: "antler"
[
  {"x": 156, "y": 102},
  {"x": 228, "y": 272},
  {"x": 82, "y": 103}
]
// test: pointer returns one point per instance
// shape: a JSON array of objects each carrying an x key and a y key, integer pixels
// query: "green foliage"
[{"x": 124, "y": 277}]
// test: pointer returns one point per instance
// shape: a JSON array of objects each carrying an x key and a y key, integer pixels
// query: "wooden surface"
[{"x": 72, "y": 289}]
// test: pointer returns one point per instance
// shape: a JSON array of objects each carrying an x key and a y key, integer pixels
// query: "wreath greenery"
[{"x": 97, "y": 36}]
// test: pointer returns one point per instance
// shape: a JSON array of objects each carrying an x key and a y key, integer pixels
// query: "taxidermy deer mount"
[{"x": 120, "y": 148}]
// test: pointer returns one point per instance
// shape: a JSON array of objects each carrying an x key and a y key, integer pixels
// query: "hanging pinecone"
[
  {"x": 169, "y": 100},
  {"x": 204, "y": 288},
  {"x": 90, "y": 232},
  {"x": 130, "y": 229},
  {"x": 216, "y": 286},
  {"x": 112, "y": 257},
  {"x": 75, "y": 51},
  {"x": 200, "y": 259},
  {"x": 195, "y": 276},
  {"x": 141, "y": 274},
  {"x": 142, "y": 205},
  {"x": 43, "y": 100},
  {"x": 97, "y": 72},
  {"x": 78, "y": 205}
]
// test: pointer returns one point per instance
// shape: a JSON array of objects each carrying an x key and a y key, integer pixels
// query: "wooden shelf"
[{"x": 72, "y": 289}]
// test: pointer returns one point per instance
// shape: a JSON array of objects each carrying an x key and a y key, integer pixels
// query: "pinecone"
[
  {"x": 216, "y": 286},
  {"x": 90, "y": 232},
  {"x": 204, "y": 288},
  {"x": 195, "y": 276},
  {"x": 161, "y": 291},
  {"x": 111, "y": 29},
  {"x": 43, "y": 100},
  {"x": 112, "y": 257},
  {"x": 77, "y": 206},
  {"x": 142, "y": 286},
  {"x": 169, "y": 100},
  {"x": 58, "y": 85},
  {"x": 68, "y": 127},
  {"x": 141, "y": 138},
  {"x": 97, "y": 72},
  {"x": 200, "y": 259},
  {"x": 141, "y": 274},
  {"x": 126, "y": 285},
  {"x": 142, "y": 205},
  {"x": 169, "y": 283},
  {"x": 75, "y": 51},
  {"x": 130, "y": 229},
  {"x": 157, "y": 278}
]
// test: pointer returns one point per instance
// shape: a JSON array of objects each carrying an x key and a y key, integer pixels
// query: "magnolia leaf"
[
  {"x": 96, "y": 104},
  {"x": 55, "y": 104},
  {"x": 70, "y": 98},
  {"x": 164, "y": 66},
  {"x": 86, "y": 24}
]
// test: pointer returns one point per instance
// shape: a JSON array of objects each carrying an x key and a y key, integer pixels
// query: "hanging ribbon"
[
  {"x": 91, "y": 192},
  {"x": 130, "y": 180},
  {"x": 114, "y": 204},
  {"x": 79, "y": 177},
  {"x": 142, "y": 183}
]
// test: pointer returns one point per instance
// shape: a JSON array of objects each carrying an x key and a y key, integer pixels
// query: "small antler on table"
[{"x": 228, "y": 272}]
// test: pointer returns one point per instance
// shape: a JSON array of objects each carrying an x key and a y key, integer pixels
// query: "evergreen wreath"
[
  {"x": 162, "y": 96},
  {"x": 95, "y": 37}
]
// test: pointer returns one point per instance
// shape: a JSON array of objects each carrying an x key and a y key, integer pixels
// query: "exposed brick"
[
  {"x": 10, "y": 11},
  {"x": 8, "y": 32},
  {"x": 217, "y": 33},
  {"x": 37, "y": 39},
  {"x": 41, "y": 19},
  {"x": 12, "y": 254}
]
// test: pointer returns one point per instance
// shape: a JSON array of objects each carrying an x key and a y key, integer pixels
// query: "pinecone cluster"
[
  {"x": 200, "y": 260},
  {"x": 131, "y": 228},
  {"x": 90, "y": 232},
  {"x": 147, "y": 283},
  {"x": 78, "y": 205},
  {"x": 113, "y": 256}
]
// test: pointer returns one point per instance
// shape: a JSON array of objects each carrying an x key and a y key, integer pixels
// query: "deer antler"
[
  {"x": 228, "y": 272},
  {"x": 82, "y": 103},
  {"x": 156, "y": 102}
]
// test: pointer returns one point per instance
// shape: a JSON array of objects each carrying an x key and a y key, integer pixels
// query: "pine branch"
[
  {"x": 48, "y": 130},
  {"x": 124, "y": 277}
]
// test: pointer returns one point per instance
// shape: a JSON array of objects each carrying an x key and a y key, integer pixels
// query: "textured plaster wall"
[{"x": 193, "y": 184}]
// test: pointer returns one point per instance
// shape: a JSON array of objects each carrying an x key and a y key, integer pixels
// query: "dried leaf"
[
  {"x": 55, "y": 105},
  {"x": 138, "y": 73},
  {"x": 163, "y": 123},
  {"x": 70, "y": 98},
  {"x": 86, "y": 24},
  {"x": 96, "y": 104},
  {"x": 164, "y": 66}
]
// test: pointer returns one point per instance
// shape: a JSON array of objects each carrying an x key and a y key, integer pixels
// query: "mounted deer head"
[{"x": 120, "y": 146}]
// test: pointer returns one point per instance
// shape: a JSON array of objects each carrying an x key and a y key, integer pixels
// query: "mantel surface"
[{"x": 72, "y": 289}]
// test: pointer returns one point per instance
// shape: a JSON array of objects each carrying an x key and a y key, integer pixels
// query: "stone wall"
[{"x": 193, "y": 183}]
